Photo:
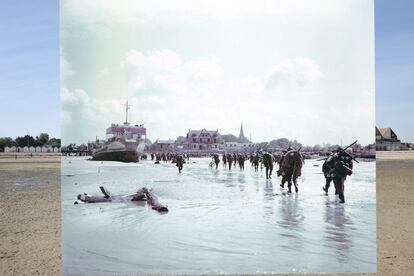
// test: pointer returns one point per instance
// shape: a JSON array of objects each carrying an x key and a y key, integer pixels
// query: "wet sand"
[
  {"x": 30, "y": 217},
  {"x": 395, "y": 214}
]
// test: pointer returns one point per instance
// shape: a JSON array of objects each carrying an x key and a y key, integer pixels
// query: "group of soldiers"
[
  {"x": 166, "y": 157},
  {"x": 290, "y": 164},
  {"x": 336, "y": 167}
]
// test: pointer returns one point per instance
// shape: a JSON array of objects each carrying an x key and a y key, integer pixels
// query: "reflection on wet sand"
[
  {"x": 292, "y": 222},
  {"x": 338, "y": 229}
]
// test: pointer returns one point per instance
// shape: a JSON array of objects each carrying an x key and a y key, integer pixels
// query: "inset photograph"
[{"x": 217, "y": 137}]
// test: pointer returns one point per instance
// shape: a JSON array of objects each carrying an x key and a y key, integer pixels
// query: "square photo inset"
[{"x": 217, "y": 137}]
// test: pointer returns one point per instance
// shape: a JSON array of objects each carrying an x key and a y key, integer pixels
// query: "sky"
[
  {"x": 297, "y": 69},
  {"x": 29, "y": 68},
  {"x": 395, "y": 66}
]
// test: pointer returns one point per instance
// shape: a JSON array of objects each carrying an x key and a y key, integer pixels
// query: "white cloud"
[
  {"x": 168, "y": 90},
  {"x": 164, "y": 71},
  {"x": 300, "y": 71}
]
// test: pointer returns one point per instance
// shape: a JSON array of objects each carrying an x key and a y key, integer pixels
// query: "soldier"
[
  {"x": 241, "y": 162},
  {"x": 291, "y": 169},
  {"x": 279, "y": 172},
  {"x": 280, "y": 159},
  {"x": 179, "y": 163},
  {"x": 224, "y": 160},
  {"x": 229, "y": 160},
  {"x": 327, "y": 167},
  {"x": 234, "y": 159},
  {"x": 341, "y": 168},
  {"x": 216, "y": 160},
  {"x": 268, "y": 163},
  {"x": 256, "y": 159}
]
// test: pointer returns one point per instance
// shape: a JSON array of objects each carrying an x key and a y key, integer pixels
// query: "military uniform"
[
  {"x": 179, "y": 163},
  {"x": 290, "y": 169},
  {"x": 268, "y": 163}
]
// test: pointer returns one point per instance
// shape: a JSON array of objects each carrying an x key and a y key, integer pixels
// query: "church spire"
[{"x": 241, "y": 135}]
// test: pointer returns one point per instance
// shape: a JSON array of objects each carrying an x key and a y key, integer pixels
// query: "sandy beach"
[{"x": 30, "y": 215}]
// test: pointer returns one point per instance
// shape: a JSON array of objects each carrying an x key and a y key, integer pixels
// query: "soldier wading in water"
[
  {"x": 179, "y": 163},
  {"x": 337, "y": 167},
  {"x": 268, "y": 163},
  {"x": 229, "y": 160},
  {"x": 290, "y": 168},
  {"x": 216, "y": 159}
]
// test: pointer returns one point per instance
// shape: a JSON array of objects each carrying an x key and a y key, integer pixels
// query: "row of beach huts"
[{"x": 38, "y": 149}]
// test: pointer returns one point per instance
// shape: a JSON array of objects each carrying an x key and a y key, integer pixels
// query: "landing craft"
[{"x": 124, "y": 142}]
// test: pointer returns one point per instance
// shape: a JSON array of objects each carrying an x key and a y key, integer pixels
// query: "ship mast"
[{"x": 127, "y": 107}]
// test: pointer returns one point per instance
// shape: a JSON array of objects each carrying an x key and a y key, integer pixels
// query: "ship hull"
[{"x": 120, "y": 156}]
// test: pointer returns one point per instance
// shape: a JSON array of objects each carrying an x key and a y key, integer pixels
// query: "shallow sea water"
[{"x": 219, "y": 221}]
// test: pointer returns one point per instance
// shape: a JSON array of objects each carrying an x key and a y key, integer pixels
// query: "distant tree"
[
  {"x": 25, "y": 141},
  {"x": 296, "y": 144},
  {"x": 229, "y": 138},
  {"x": 316, "y": 147},
  {"x": 54, "y": 142},
  {"x": 42, "y": 139},
  {"x": 6, "y": 142}
]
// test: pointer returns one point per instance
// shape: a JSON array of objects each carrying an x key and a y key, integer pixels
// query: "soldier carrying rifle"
[{"x": 336, "y": 168}]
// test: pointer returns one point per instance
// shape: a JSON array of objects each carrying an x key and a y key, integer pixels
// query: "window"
[
  {"x": 208, "y": 139},
  {"x": 194, "y": 146},
  {"x": 215, "y": 140},
  {"x": 194, "y": 140}
]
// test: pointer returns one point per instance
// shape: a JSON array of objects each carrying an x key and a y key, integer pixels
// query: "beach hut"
[
  {"x": 25, "y": 149},
  {"x": 56, "y": 149},
  {"x": 32, "y": 149},
  {"x": 45, "y": 149},
  {"x": 38, "y": 149}
]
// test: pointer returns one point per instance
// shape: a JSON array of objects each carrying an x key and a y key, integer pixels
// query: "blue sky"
[
  {"x": 395, "y": 66},
  {"x": 29, "y": 67}
]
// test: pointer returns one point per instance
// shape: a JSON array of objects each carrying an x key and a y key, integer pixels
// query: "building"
[
  {"x": 203, "y": 141},
  {"x": 163, "y": 146},
  {"x": 238, "y": 147},
  {"x": 387, "y": 140}
]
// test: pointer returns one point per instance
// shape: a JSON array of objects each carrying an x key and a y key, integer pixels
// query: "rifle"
[
  {"x": 344, "y": 152},
  {"x": 350, "y": 156},
  {"x": 350, "y": 145}
]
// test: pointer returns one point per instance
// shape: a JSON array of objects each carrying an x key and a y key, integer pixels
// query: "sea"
[{"x": 219, "y": 221}]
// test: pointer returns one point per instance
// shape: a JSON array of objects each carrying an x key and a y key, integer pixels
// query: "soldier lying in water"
[{"x": 143, "y": 194}]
